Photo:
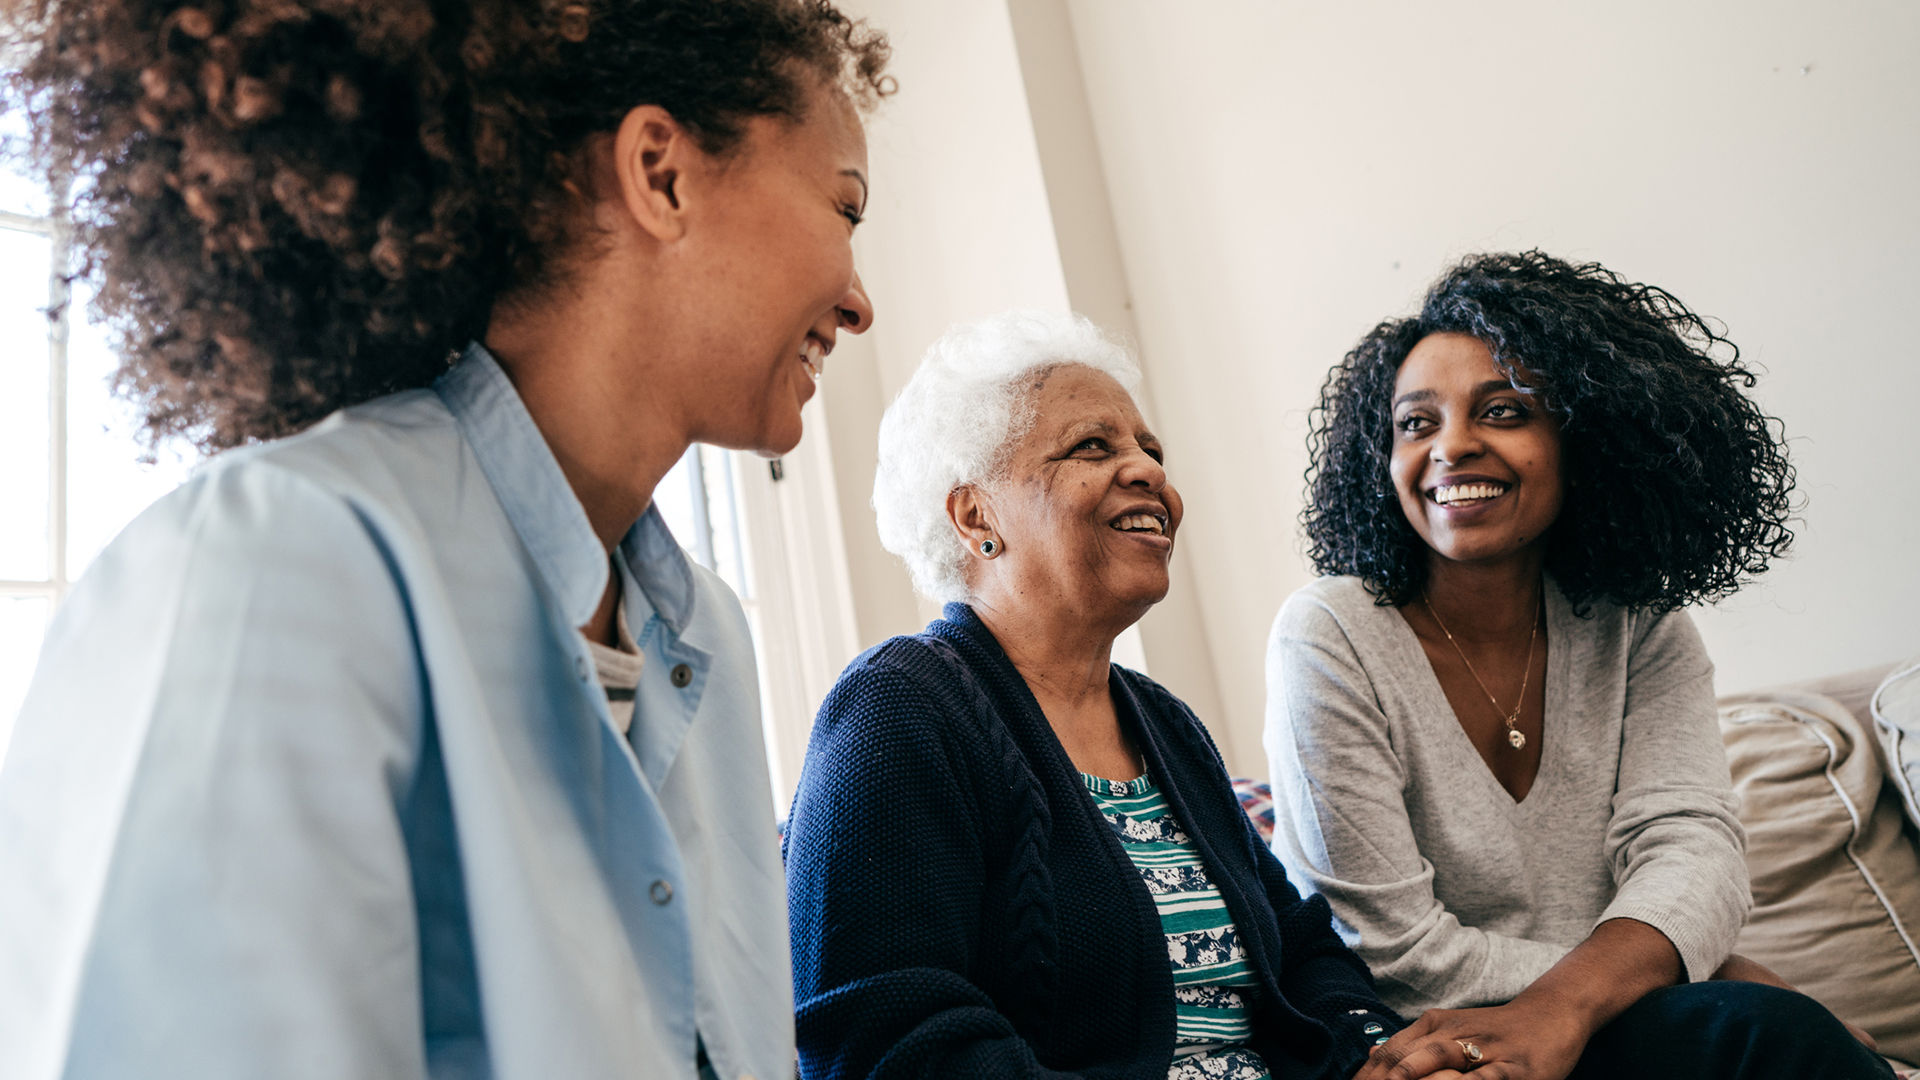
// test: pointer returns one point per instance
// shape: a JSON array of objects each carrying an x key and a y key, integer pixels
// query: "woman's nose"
[
  {"x": 1140, "y": 469},
  {"x": 1455, "y": 443},
  {"x": 856, "y": 309}
]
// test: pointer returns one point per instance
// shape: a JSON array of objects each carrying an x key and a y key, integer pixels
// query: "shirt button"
[
  {"x": 681, "y": 675},
  {"x": 661, "y": 892},
  {"x": 1373, "y": 1029}
]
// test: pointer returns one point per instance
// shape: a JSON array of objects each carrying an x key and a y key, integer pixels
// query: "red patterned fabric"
[{"x": 1256, "y": 798}]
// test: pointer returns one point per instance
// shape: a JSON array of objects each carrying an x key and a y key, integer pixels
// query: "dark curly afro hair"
[
  {"x": 288, "y": 206},
  {"x": 1678, "y": 485}
]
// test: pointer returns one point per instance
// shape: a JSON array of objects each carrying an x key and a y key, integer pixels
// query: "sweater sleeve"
[
  {"x": 1341, "y": 826},
  {"x": 1674, "y": 843},
  {"x": 885, "y": 866}
]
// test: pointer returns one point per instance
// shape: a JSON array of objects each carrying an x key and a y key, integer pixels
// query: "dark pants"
[{"x": 1727, "y": 1031}]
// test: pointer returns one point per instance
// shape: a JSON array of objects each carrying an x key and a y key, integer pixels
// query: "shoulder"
[
  {"x": 1334, "y": 613},
  {"x": 383, "y": 463},
  {"x": 266, "y": 501},
  {"x": 402, "y": 447},
  {"x": 319, "y": 514},
  {"x": 1634, "y": 636},
  {"x": 902, "y": 713},
  {"x": 1665, "y": 647},
  {"x": 919, "y": 671},
  {"x": 1660, "y": 629},
  {"x": 1336, "y": 601}
]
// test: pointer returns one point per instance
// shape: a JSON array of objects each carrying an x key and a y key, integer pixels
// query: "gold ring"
[{"x": 1471, "y": 1051}]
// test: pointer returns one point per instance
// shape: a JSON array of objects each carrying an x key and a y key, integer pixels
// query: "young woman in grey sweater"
[{"x": 1491, "y": 727}]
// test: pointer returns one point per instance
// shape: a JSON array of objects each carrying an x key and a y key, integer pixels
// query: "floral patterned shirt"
[{"x": 1210, "y": 970}]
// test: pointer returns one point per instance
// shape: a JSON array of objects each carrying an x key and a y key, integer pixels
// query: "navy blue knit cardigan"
[{"x": 961, "y": 909}]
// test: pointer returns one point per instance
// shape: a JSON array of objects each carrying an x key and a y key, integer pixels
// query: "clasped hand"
[{"x": 1517, "y": 1041}]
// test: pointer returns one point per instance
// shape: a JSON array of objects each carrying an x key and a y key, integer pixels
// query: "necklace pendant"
[{"x": 1515, "y": 739}]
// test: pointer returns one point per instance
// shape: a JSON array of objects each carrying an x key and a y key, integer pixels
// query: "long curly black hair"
[
  {"x": 287, "y": 206},
  {"x": 1678, "y": 486}
]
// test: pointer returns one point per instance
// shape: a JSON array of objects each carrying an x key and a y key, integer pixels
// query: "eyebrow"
[
  {"x": 1488, "y": 387},
  {"x": 1086, "y": 427},
  {"x": 864, "y": 195},
  {"x": 1102, "y": 427}
]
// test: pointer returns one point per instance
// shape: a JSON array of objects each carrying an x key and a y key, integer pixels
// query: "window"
[{"x": 73, "y": 473}]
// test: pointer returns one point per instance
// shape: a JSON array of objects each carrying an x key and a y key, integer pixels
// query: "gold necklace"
[{"x": 1511, "y": 719}]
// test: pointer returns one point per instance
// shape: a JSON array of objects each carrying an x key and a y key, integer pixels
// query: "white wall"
[
  {"x": 1274, "y": 177},
  {"x": 972, "y": 214},
  {"x": 958, "y": 226},
  {"x": 1283, "y": 175}
]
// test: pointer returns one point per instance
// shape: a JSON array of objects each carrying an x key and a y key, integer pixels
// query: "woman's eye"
[
  {"x": 1411, "y": 424},
  {"x": 1095, "y": 443},
  {"x": 1505, "y": 410},
  {"x": 852, "y": 214}
]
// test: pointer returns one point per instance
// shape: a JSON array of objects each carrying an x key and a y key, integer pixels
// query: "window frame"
[{"x": 55, "y": 585}]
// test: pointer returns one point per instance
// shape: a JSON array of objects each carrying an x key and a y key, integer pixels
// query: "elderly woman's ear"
[{"x": 967, "y": 509}]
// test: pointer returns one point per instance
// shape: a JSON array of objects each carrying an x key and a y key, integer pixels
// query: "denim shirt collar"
[{"x": 545, "y": 512}]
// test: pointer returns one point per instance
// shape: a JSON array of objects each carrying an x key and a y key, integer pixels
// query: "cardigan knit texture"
[{"x": 961, "y": 909}]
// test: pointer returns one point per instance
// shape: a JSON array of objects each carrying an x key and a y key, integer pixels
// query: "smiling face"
[
  {"x": 1476, "y": 463},
  {"x": 1083, "y": 511},
  {"x": 774, "y": 258}
]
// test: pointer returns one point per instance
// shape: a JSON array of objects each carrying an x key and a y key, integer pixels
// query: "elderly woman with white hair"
[{"x": 1009, "y": 857}]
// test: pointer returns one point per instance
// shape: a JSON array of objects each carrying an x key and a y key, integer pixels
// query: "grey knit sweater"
[{"x": 1454, "y": 894}]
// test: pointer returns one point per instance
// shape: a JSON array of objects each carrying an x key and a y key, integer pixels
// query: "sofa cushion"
[
  {"x": 1896, "y": 713},
  {"x": 1836, "y": 872}
]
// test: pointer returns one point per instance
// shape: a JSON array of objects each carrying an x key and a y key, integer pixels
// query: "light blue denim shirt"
[{"x": 315, "y": 779}]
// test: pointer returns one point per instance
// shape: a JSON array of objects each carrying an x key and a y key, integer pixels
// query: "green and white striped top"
[{"x": 1210, "y": 969}]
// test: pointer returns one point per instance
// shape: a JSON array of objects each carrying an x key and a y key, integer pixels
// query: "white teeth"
[
  {"x": 813, "y": 356},
  {"x": 1144, "y": 522},
  {"x": 1453, "y": 493}
]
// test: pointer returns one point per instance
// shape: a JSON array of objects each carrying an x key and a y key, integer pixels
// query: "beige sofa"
[{"x": 1826, "y": 771}]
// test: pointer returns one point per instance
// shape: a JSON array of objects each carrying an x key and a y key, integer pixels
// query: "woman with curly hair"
[
  {"x": 1491, "y": 727},
  {"x": 409, "y": 742}
]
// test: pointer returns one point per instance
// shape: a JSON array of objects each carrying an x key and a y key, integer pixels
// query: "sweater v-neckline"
[{"x": 1434, "y": 699}]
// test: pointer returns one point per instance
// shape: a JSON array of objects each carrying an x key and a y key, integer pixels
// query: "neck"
[
  {"x": 1063, "y": 657},
  {"x": 576, "y": 370},
  {"x": 1486, "y": 602}
]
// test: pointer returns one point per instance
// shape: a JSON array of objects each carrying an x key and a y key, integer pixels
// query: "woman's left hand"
[{"x": 1516, "y": 1041}]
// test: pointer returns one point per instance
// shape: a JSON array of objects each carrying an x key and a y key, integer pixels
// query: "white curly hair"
[{"x": 956, "y": 420}]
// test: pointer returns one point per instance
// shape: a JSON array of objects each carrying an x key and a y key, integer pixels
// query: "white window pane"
[
  {"x": 25, "y": 268},
  {"x": 18, "y": 193},
  {"x": 674, "y": 497},
  {"x": 107, "y": 483},
  {"x": 723, "y": 510},
  {"x": 23, "y": 622}
]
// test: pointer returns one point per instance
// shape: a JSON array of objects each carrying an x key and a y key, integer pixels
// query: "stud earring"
[{"x": 988, "y": 547}]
